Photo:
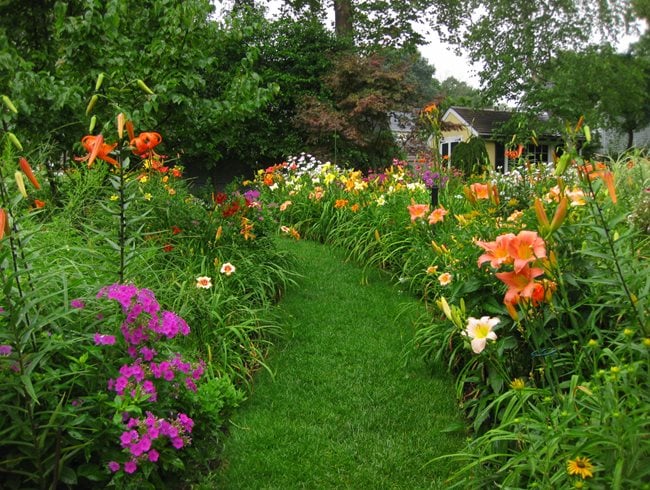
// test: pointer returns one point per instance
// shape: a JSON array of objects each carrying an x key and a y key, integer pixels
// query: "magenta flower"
[
  {"x": 102, "y": 339},
  {"x": 114, "y": 466},
  {"x": 77, "y": 303},
  {"x": 5, "y": 350},
  {"x": 130, "y": 467},
  {"x": 153, "y": 455}
]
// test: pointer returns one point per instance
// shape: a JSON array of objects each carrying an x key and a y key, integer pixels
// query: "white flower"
[
  {"x": 227, "y": 268},
  {"x": 204, "y": 282},
  {"x": 479, "y": 331}
]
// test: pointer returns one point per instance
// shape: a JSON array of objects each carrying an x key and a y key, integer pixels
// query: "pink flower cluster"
[
  {"x": 143, "y": 378},
  {"x": 144, "y": 320},
  {"x": 140, "y": 436}
]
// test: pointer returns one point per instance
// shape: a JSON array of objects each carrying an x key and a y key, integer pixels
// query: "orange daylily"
[
  {"x": 480, "y": 191},
  {"x": 497, "y": 251},
  {"x": 437, "y": 215},
  {"x": 39, "y": 204},
  {"x": 145, "y": 143},
  {"x": 525, "y": 248},
  {"x": 417, "y": 210},
  {"x": 520, "y": 284},
  {"x": 96, "y": 148}
]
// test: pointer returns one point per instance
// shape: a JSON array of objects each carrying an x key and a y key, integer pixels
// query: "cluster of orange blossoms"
[
  {"x": 514, "y": 154},
  {"x": 421, "y": 211},
  {"x": 520, "y": 251}
]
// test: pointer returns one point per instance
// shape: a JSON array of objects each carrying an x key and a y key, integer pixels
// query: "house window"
[
  {"x": 537, "y": 153},
  {"x": 447, "y": 146}
]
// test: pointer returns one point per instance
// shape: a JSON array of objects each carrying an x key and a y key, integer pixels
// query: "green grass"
[{"x": 344, "y": 409}]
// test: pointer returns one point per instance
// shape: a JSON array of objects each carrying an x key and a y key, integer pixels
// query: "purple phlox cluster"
[
  {"x": 5, "y": 350},
  {"x": 143, "y": 316},
  {"x": 251, "y": 195},
  {"x": 432, "y": 179},
  {"x": 141, "y": 434},
  {"x": 138, "y": 376}
]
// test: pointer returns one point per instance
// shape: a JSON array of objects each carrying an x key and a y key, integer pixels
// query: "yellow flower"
[
  {"x": 148, "y": 196},
  {"x": 580, "y": 466},
  {"x": 432, "y": 269},
  {"x": 115, "y": 197},
  {"x": 517, "y": 384},
  {"x": 646, "y": 341},
  {"x": 592, "y": 343}
]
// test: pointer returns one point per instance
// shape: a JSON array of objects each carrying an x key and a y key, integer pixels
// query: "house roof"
[{"x": 482, "y": 122}]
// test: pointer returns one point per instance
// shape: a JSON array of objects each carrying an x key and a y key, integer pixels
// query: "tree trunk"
[
  {"x": 343, "y": 18},
  {"x": 630, "y": 138}
]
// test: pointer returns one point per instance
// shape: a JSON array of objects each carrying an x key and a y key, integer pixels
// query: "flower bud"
[
  {"x": 15, "y": 141},
  {"x": 98, "y": 83},
  {"x": 560, "y": 214},
  {"x": 27, "y": 170},
  {"x": 20, "y": 183},
  {"x": 93, "y": 122},
  {"x": 10, "y": 105},
  {"x": 4, "y": 223},
  {"x": 91, "y": 104},
  {"x": 144, "y": 87}
]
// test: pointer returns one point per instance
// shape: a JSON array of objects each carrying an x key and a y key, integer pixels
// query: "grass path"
[{"x": 343, "y": 410}]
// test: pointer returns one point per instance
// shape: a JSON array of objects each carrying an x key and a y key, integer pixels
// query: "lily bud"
[
  {"x": 144, "y": 87},
  {"x": 20, "y": 183},
  {"x": 120, "y": 125},
  {"x": 377, "y": 236},
  {"x": 98, "y": 83},
  {"x": 579, "y": 124},
  {"x": 10, "y": 105},
  {"x": 15, "y": 141},
  {"x": 91, "y": 104},
  {"x": 512, "y": 311},
  {"x": 444, "y": 306},
  {"x": 542, "y": 217},
  {"x": 562, "y": 163},
  {"x": 93, "y": 122},
  {"x": 560, "y": 214},
  {"x": 4, "y": 223},
  {"x": 27, "y": 170}
]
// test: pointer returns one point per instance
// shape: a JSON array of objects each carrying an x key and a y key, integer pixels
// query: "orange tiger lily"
[
  {"x": 145, "y": 143},
  {"x": 96, "y": 148}
]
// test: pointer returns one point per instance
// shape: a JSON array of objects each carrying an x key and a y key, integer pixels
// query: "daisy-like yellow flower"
[
  {"x": 147, "y": 196},
  {"x": 517, "y": 384},
  {"x": 580, "y": 466}
]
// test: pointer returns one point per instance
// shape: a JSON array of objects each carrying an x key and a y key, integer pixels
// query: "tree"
[
  {"x": 350, "y": 122},
  {"x": 611, "y": 90},
  {"x": 201, "y": 76}
]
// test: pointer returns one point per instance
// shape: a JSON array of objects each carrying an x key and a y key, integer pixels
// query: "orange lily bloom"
[
  {"x": 525, "y": 248},
  {"x": 96, "y": 148},
  {"x": 145, "y": 143},
  {"x": 497, "y": 251},
  {"x": 520, "y": 284},
  {"x": 417, "y": 210},
  {"x": 437, "y": 215},
  {"x": 39, "y": 204},
  {"x": 480, "y": 191}
]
